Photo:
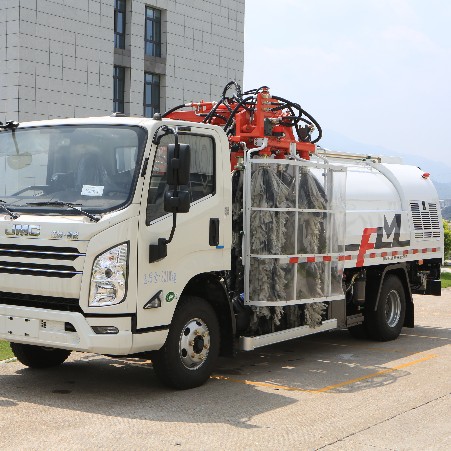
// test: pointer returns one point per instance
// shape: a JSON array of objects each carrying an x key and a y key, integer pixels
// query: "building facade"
[{"x": 64, "y": 58}]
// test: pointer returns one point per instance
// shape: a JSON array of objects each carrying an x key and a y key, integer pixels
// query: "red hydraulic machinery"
[{"x": 256, "y": 120}]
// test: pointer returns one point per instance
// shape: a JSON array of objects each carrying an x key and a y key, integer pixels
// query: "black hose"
[
  {"x": 255, "y": 91},
  {"x": 230, "y": 84},
  {"x": 212, "y": 112},
  {"x": 320, "y": 130},
  {"x": 235, "y": 110},
  {"x": 179, "y": 107},
  {"x": 303, "y": 112}
]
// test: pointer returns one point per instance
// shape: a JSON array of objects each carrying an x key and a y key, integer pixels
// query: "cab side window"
[{"x": 202, "y": 177}]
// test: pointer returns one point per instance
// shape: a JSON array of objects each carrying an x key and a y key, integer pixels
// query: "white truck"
[{"x": 129, "y": 236}]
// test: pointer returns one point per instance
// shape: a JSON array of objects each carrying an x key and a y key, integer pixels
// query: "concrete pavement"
[{"x": 328, "y": 391}]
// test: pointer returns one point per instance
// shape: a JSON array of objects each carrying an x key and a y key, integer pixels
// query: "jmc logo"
[{"x": 23, "y": 230}]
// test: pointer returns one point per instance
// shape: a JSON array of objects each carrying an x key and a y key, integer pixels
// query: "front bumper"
[{"x": 50, "y": 328}]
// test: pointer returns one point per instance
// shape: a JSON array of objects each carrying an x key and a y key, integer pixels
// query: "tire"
[
  {"x": 39, "y": 356},
  {"x": 188, "y": 357},
  {"x": 385, "y": 323}
]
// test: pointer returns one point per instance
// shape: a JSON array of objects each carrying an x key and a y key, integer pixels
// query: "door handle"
[{"x": 213, "y": 239}]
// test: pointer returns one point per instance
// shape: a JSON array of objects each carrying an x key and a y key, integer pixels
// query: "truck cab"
[{"x": 82, "y": 204}]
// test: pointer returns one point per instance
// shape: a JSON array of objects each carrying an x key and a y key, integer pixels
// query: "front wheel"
[
  {"x": 192, "y": 347},
  {"x": 39, "y": 356},
  {"x": 385, "y": 323}
]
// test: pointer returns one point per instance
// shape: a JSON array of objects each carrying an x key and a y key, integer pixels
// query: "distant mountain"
[
  {"x": 440, "y": 172},
  {"x": 443, "y": 189}
]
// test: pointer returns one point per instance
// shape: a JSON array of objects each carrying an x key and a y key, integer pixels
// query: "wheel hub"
[
  {"x": 194, "y": 343},
  {"x": 393, "y": 308}
]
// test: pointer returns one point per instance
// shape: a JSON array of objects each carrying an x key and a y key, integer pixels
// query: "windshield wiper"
[
  {"x": 58, "y": 203},
  {"x": 10, "y": 125},
  {"x": 11, "y": 213}
]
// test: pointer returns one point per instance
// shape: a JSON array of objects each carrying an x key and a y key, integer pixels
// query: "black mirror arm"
[
  {"x": 174, "y": 225},
  {"x": 163, "y": 131}
]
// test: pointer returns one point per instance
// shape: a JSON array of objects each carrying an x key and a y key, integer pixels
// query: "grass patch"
[
  {"x": 5, "y": 350},
  {"x": 446, "y": 279}
]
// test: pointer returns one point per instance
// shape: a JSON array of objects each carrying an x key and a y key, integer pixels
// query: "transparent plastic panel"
[
  {"x": 311, "y": 236},
  {"x": 311, "y": 192},
  {"x": 336, "y": 278},
  {"x": 273, "y": 185},
  {"x": 272, "y": 232},
  {"x": 337, "y": 224},
  {"x": 271, "y": 281},
  {"x": 295, "y": 209},
  {"x": 311, "y": 280},
  {"x": 337, "y": 195}
]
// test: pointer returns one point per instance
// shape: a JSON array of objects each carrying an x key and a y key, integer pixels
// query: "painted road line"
[
  {"x": 379, "y": 373},
  {"x": 426, "y": 336},
  {"x": 259, "y": 384},
  {"x": 327, "y": 388}
]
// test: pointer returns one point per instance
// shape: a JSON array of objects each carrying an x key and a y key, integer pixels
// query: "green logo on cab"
[{"x": 170, "y": 296}]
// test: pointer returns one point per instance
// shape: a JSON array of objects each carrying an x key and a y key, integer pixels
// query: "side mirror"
[
  {"x": 176, "y": 201},
  {"x": 178, "y": 164}
]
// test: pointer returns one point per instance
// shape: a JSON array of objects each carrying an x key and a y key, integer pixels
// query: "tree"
[{"x": 447, "y": 230}]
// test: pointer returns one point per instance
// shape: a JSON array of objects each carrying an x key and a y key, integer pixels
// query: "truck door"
[{"x": 192, "y": 250}]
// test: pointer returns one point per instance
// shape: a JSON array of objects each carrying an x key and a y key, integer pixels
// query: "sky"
[{"x": 375, "y": 71}]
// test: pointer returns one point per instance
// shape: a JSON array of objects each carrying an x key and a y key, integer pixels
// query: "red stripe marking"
[
  {"x": 341, "y": 258},
  {"x": 372, "y": 255},
  {"x": 294, "y": 260},
  {"x": 394, "y": 253},
  {"x": 327, "y": 258},
  {"x": 311, "y": 259},
  {"x": 414, "y": 251},
  {"x": 424, "y": 251},
  {"x": 384, "y": 254},
  {"x": 348, "y": 257},
  {"x": 434, "y": 249},
  {"x": 365, "y": 245},
  {"x": 406, "y": 252}
]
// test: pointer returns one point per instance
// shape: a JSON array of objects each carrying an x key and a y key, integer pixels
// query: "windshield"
[{"x": 93, "y": 167}]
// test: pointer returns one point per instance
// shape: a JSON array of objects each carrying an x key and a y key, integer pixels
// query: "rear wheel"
[
  {"x": 39, "y": 356},
  {"x": 192, "y": 347},
  {"x": 385, "y": 323}
]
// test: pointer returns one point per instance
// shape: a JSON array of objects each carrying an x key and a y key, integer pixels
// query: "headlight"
[{"x": 109, "y": 277}]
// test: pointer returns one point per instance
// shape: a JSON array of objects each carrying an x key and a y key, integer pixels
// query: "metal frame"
[
  {"x": 251, "y": 343},
  {"x": 247, "y": 206}
]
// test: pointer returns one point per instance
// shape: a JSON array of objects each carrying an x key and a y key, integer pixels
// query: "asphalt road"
[{"x": 328, "y": 391}]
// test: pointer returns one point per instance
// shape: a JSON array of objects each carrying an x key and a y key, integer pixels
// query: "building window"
[
  {"x": 151, "y": 94},
  {"x": 119, "y": 84},
  {"x": 119, "y": 24},
  {"x": 153, "y": 32}
]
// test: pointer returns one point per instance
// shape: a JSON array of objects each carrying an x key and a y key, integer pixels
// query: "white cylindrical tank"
[{"x": 394, "y": 207}]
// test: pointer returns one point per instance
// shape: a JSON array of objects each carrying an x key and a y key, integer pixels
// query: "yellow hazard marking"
[
  {"x": 379, "y": 373},
  {"x": 329, "y": 387},
  {"x": 259, "y": 384},
  {"x": 426, "y": 336}
]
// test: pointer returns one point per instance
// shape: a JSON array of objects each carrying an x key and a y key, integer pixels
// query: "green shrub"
[
  {"x": 5, "y": 350},
  {"x": 446, "y": 279},
  {"x": 447, "y": 230}
]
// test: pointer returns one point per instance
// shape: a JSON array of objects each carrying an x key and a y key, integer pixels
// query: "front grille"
[
  {"x": 40, "y": 252},
  {"x": 35, "y": 269},
  {"x": 44, "y": 302},
  {"x": 30, "y": 253}
]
